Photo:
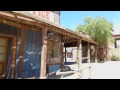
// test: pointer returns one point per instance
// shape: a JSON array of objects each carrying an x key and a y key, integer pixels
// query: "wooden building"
[
  {"x": 32, "y": 41},
  {"x": 86, "y": 43},
  {"x": 114, "y": 49}
]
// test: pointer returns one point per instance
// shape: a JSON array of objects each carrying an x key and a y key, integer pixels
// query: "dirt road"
[{"x": 107, "y": 70}]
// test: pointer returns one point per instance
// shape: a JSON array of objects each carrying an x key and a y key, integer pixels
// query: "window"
[
  {"x": 53, "y": 49},
  {"x": 69, "y": 55}
]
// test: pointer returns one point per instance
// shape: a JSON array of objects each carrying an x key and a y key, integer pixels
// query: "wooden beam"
[
  {"x": 31, "y": 28},
  {"x": 88, "y": 53},
  {"x": 63, "y": 32},
  {"x": 65, "y": 41},
  {"x": 6, "y": 14},
  {"x": 10, "y": 23},
  {"x": 65, "y": 55},
  {"x": 71, "y": 44},
  {"x": 44, "y": 54},
  {"x": 21, "y": 19},
  {"x": 96, "y": 54},
  {"x": 79, "y": 55},
  {"x": 6, "y": 35},
  {"x": 13, "y": 57},
  {"x": 115, "y": 43},
  {"x": 19, "y": 25},
  {"x": 89, "y": 40},
  {"x": 21, "y": 54},
  {"x": 62, "y": 58}
]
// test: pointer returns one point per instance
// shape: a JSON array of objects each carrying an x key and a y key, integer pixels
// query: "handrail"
[
  {"x": 83, "y": 58},
  {"x": 72, "y": 72}
]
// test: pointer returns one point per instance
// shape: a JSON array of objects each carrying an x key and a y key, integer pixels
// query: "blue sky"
[{"x": 70, "y": 19}]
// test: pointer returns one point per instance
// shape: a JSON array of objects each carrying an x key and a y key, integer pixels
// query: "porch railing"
[
  {"x": 76, "y": 71},
  {"x": 73, "y": 72}
]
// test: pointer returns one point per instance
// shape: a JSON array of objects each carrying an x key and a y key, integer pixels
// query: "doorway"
[
  {"x": 3, "y": 55},
  {"x": 8, "y": 44}
]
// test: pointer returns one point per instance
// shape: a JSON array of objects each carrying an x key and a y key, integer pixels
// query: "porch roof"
[
  {"x": 116, "y": 36},
  {"x": 40, "y": 20}
]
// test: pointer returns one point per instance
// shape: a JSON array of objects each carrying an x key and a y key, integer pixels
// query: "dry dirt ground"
[{"x": 106, "y": 70}]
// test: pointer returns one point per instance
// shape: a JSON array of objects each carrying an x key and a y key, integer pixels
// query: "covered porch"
[
  {"x": 34, "y": 36},
  {"x": 47, "y": 38}
]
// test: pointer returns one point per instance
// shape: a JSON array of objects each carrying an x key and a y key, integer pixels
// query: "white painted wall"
[{"x": 52, "y": 16}]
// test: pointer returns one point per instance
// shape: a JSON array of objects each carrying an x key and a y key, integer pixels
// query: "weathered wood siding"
[
  {"x": 6, "y": 29},
  {"x": 32, "y": 54},
  {"x": 8, "y": 58}
]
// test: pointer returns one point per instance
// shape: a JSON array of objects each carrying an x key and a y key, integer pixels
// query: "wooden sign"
[{"x": 53, "y": 16}]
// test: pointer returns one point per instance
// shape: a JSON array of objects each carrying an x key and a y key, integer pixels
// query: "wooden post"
[
  {"x": 115, "y": 43},
  {"x": 107, "y": 55},
  {"x": 43, "y": 54},
  {"x": 21, "y": 54},
  {"x": 62, "y": 58},
  {"x": 79, "y": 54},
  {"x": 95, "y": 54},
  {"x": 61, "y": 76},
  {"x": 13, "y": 57},
  {"x": 65, "y": 55},
  {"x": 88, "y": 53}
]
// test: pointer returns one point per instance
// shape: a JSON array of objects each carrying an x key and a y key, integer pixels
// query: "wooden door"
[{"x": 3, "y": 54}]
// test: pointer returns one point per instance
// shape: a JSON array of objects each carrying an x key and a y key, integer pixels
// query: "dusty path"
[{"x": 107, "y": 70}]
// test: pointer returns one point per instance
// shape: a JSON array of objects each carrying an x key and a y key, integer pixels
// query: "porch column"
[
  {"x": 65, "y": 55},
  {"x": 13, "y": 54},
  {"x": 62, "y": 58},
  {"x": 107, "y": 53},
  {"x": 95, "y": 54},
  {"x": 115, "y": 43},
  {"x": 88, "y": 53},
  {"x": 79, "y": 55},
  {"x": 21, "y": 54},
  {"x": 43, "y": 54}
]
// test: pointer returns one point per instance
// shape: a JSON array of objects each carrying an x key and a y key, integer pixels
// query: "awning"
[{"x": 38, "y": 19}]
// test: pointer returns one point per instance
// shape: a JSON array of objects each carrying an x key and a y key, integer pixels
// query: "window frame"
[{"x": 51, "y": 59}]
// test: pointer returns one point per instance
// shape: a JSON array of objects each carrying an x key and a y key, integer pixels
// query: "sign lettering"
[{"x": 52, "y": 16}]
